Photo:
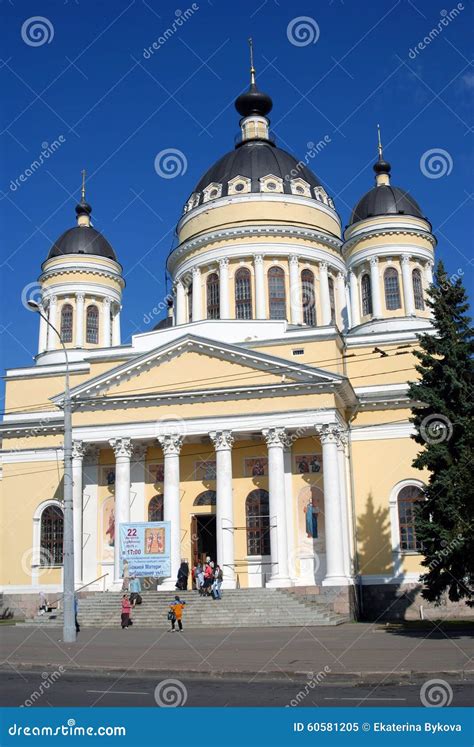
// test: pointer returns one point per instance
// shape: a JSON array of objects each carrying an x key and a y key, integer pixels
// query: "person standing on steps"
[
  {"x": 218, "y": 579},
  {"x": 125, "y": 612},
  {"x": 135, "y": 588},
  {"x": 183, "y": 575},
  {"x": 176, "y": 614}
]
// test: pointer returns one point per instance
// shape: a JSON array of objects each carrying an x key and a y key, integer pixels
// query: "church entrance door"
[{"x": 204, "y": 537}]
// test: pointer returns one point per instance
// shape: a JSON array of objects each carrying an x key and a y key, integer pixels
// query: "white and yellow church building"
[{"x": 266, "y": 417}]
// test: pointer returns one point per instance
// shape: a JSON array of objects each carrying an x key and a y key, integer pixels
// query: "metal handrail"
[{"x": 58, "y": 599}]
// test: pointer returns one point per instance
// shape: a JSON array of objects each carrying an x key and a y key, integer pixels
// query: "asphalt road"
[{"x": 114, "y": 690}]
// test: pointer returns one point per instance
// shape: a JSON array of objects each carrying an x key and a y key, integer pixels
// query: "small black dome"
[
  {"x": 254, "y": 159},
  {"x": 385, "y": 200},
  {"x": 82, "y": 240},
  {"x": 253, "y": 103}
]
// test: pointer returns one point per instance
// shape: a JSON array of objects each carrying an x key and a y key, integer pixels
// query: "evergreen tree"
[{"x": 443, "y": 416}]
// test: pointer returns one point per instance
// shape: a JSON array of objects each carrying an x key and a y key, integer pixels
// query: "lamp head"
[{"x": 33, "y": 305}]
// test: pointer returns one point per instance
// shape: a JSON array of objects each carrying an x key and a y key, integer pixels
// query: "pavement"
[
  {"x": 76, "y": 689},
  {"x": 352, "y": 653}
]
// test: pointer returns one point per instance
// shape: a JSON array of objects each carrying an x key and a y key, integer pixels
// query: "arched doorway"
[{"x": 203, "y": 528}]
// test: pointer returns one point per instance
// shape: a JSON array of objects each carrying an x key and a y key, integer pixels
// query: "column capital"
[
  {"x": 78, "y": 449},
  {"x": 171, "y": 444},
  {"x": 53, "y": 300},
  {"x": 106, "y": 301},
  {"x": 406, "y": 259},
  {"x": 329, "y": 433},
  {"x": 341, "y": 275},
  {"x": 429, "y": 263},
  {"x": 323, "y": 266},
  {"x": 374, "y": 261},
  {"x": 276, "y": 437},
  {"x": 222, "y": 440},
  {"x": 224, "y": 263},
  {"x": 196, "y": 272},
  {"x": 258, "y": 259},
  {"x": 122, "y": 447},
  {"x": 80, "y": 297},
  {"x": 294, "y": 260}
]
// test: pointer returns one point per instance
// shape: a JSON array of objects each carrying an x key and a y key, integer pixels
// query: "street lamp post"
[{"x": 69, "y": 619}]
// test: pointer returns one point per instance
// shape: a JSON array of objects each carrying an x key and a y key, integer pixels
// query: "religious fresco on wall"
[
  {"x": 155, "y": 472},
  {"x": 205, "y": 470},
  {"x": 308, "y": 464},
  {"x": 311, "y": 513},
  {"x": 256, "y": 467},
  {"x": 107, "y": 535},
  {"x": 107, "y": 476}
]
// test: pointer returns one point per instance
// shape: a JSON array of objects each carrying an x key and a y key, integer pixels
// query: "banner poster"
[{"x": 145, "y": 546}]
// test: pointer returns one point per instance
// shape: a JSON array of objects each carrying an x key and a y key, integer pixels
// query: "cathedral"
[{"x": 265, "y": 418}]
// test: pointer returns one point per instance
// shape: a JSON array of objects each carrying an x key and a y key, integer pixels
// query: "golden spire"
[
  {"x": 379, "y": 137},
  {"x": 252, "y": 69},
  {"x": 83, "y": 190}
]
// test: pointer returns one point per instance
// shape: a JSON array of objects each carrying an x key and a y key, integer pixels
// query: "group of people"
[{"x": 208, "y": 579}]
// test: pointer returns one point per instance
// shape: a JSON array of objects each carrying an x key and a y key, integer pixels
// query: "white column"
[
  {"x": 171, "y": 445},
  {"x": 375, "y": 286},
  {"x": 276, "y": 441},
  {"x": 295, "y": 291},
  {"x": 428, "y": 272},
  {"x": 324, "y": 294},
  {"x": 341, "y": 455},
  {"x": 260, "y": 304},
  {"x": 224, "y": 305},
  {"x": 355, "y": 300},
  {"x": 116, "y": 327},
  {"x": 223, "y": 441},
  {"x": 90, "y": 525},
  {"x": 335, "y": 571},
  {"x": 180, "y": 303},
  {"x": 77, "y": 457},
  {"x": 197, "y": 295},
  {"x": 106, "y": 322},
  {"x": 43, "y": 332},
  {"x": 407, "y": 283},
  {"x": 123, "y": 451},
  {"x": 341, "y": 300},
  {"x": 137, "y": 487},
  {"x": 52, "y": 314},
  {"x": 79, "y": 320},
  {"x": 290, "y": 528}
]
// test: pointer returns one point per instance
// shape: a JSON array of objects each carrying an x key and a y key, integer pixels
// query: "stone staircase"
[{"x": 243, "y": 608}]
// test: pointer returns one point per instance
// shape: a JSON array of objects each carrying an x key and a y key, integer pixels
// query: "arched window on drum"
[
  {"x": 308, "y": 298},
  {"x": 243, "y": 294}
]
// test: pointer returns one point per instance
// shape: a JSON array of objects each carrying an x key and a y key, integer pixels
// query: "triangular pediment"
[{"x": 192, "y": 364}]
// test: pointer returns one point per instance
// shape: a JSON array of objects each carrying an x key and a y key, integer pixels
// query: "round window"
[
  {"x": 213, "y": 193},
  {"x": 300, "y": 189},
  {"x": 239, "y": 187},
  {"x": 271, "y": 185}
]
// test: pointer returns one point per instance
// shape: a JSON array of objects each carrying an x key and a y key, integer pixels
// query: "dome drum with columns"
[{"x": 266, "y": 416}]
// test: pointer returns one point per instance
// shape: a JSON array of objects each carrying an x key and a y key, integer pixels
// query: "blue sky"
[{"x": 87, "y": 84}]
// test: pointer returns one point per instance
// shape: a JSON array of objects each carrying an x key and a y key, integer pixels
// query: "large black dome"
[
  {"x": 255, "y": 159},
  {"x": 385, "y": 200},
  {"x": 82, "y": 240}
]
